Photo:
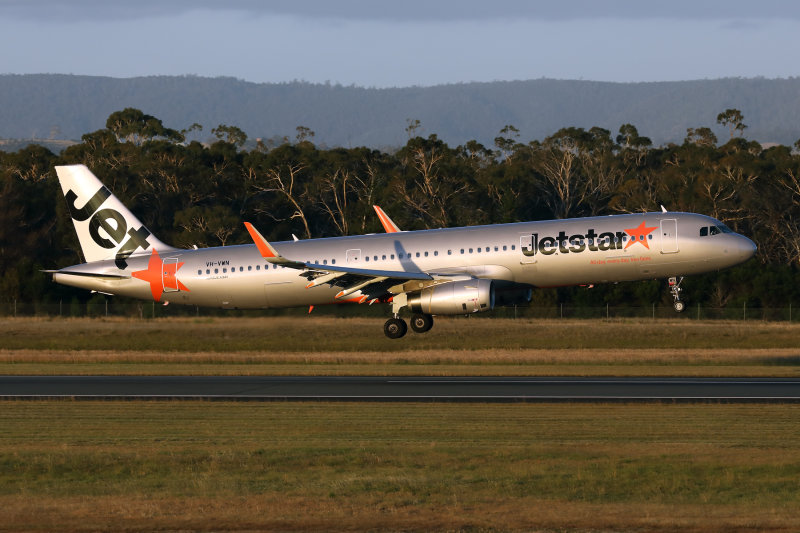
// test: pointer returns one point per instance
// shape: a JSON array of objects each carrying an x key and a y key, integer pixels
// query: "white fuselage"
[{"x": 536, "y": 254}]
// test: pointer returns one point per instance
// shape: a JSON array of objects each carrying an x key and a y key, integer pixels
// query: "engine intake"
[{"x": 454, "y": 298}]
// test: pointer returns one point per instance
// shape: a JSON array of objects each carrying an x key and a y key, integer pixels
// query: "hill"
[{"x": 65, "y": 107}]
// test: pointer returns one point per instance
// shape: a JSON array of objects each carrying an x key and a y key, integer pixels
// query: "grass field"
[
  {"x": 330, "y": 346},
  {"x": 288, "y": 466},
  {"x": 129, "y": 466}
]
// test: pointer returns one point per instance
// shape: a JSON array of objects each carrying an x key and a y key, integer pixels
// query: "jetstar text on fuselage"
[{"x": 591, "y": 241}]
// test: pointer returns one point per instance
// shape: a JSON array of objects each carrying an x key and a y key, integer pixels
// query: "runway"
[{"x": 403, "y": 389}]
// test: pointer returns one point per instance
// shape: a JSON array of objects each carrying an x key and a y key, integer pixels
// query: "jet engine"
[{"x": 453, "y": 298}]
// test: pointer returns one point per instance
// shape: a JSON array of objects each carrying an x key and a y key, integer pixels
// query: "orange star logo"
[
  {"x": 639, "y": 234},
  {"x": 160, "y": 276}
]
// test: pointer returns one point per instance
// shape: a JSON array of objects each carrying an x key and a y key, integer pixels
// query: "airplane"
[{"x": 448, "y": 271}]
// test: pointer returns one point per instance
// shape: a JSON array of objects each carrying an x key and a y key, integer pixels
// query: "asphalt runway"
[{"x": 465, "y": 389}]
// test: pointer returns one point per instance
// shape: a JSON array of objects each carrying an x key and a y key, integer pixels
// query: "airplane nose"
[{"x": 745, "y": 247}]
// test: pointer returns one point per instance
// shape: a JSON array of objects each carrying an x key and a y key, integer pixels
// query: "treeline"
[
  {"x": 58, "y": 106},
  {"x": 199, "y": 194}
]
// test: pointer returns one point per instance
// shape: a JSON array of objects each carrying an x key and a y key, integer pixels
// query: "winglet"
[
  {"x": 387, "y": 222},
  {"x": 269, "y": 253},
  {"x": 265, "y": 249}
]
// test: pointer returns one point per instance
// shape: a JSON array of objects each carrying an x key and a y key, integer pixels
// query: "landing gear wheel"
[
  {"x": 394, "y": 328},
  {"x": 421, "y": 323},
  {"x": 679, "y": 306}
]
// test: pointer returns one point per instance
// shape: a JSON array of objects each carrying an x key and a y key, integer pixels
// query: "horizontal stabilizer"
[{"x": 98, "y": 275}]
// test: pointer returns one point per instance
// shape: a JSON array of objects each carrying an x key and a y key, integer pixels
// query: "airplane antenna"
[{"x": 663, "y": 209}]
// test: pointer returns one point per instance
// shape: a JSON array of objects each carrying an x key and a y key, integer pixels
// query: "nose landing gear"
[{"x": 675, "y": 290}]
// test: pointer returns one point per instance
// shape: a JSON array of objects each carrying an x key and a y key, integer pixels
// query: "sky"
[{"x": 374, "y": 43}]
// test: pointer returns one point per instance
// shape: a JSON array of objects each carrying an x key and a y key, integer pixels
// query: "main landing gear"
[
  {"x": 675, "y": 290},
  {"x": 395, "y": 327}
]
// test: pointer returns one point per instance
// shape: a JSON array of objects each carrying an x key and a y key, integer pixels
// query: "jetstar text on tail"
[{"x": 591, "y": 240}]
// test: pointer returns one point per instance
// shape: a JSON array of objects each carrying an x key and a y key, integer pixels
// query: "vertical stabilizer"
[{"x": 106, "y": 228}]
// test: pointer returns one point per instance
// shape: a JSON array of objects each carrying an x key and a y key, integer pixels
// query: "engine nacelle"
[{"x": 453, "y": 298}]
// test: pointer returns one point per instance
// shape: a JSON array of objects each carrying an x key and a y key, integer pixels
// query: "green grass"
[{"x": 416, "y": 466}]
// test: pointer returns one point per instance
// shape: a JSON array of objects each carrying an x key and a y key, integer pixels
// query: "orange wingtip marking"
[
  {"x": 387, "y": 223},
  {"x": 259, "y": 241}
]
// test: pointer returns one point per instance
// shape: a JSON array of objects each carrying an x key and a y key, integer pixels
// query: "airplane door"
[
  {"x": 170, "y": 274},
  {"x": 669, "y": 236},
  {"x": 353, "y": 256}
]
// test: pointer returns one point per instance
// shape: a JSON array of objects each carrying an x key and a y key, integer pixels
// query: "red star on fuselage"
[
  {"x": 639, "y": 234},
  {"x": 160, "y": 276}
]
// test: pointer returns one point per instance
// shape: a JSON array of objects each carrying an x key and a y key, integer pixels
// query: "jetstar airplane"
[{"x": 450, "y": 271}]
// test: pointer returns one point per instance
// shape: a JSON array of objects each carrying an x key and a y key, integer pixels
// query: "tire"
[
  {"x": 421, "y": 323},
  {"x": 395, "y": 328},
  {"x": 679, "y": 306}
]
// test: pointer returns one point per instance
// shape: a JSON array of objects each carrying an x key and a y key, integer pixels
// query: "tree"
[
  {"x": 304, "y": 134},
  {"x": 700, "y": 137},
  {"x": 733, "y": 119},
  {"x": 230, "y": 134},
  {"x": 133, "y": 126},
  {"x": 506, "y": 140}
]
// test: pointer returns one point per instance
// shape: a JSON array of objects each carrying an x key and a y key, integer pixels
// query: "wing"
[{"x": 372, "y": 283}]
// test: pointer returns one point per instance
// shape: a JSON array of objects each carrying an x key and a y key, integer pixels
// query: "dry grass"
[
  {"x": 781, "y": 362},
  {"x": 288, "y": 466},
  {"x": 322, "y": 334},
  {"x": 456, "y": 346}
]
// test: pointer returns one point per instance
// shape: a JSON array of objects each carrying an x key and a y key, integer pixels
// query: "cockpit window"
[{"x": 714, "y": 230}]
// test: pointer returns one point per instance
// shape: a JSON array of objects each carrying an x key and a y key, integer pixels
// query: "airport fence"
[{"x": 147, "y": 310}]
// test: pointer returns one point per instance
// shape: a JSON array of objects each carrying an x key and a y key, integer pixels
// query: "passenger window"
[
  {"x": 417, "y": 254},
  {"x": 449, "y": 252},
  {"x": 504, "y": 248},
  {"x": 426, "y": 254},
  {"x": 333, "y": 261},
  {"x": 479, "y": 250},
  {"x": 216, "y": 271},
  {"x": 258, "y": 267},
  {"x": 462, "y": 251},
  {"x": 435, "y": 253},
  {"x": 513, "y": 247},
  {"x": 208, "y": 271},
  {"x": 199, "y": 272},
  {"x": 392, "y": 256},
  {"x": 366, "y": 258},
  {"x": 470, "y": 250},
  {"x": 383, "y": 257},
  {"x": 249, "y": 268}
]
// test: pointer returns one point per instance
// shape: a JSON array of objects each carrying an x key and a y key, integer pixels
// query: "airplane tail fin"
[{"x": 106, "y": 228}]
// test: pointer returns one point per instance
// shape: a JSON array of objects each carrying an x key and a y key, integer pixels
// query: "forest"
[{"x": 193, "y": 194}]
